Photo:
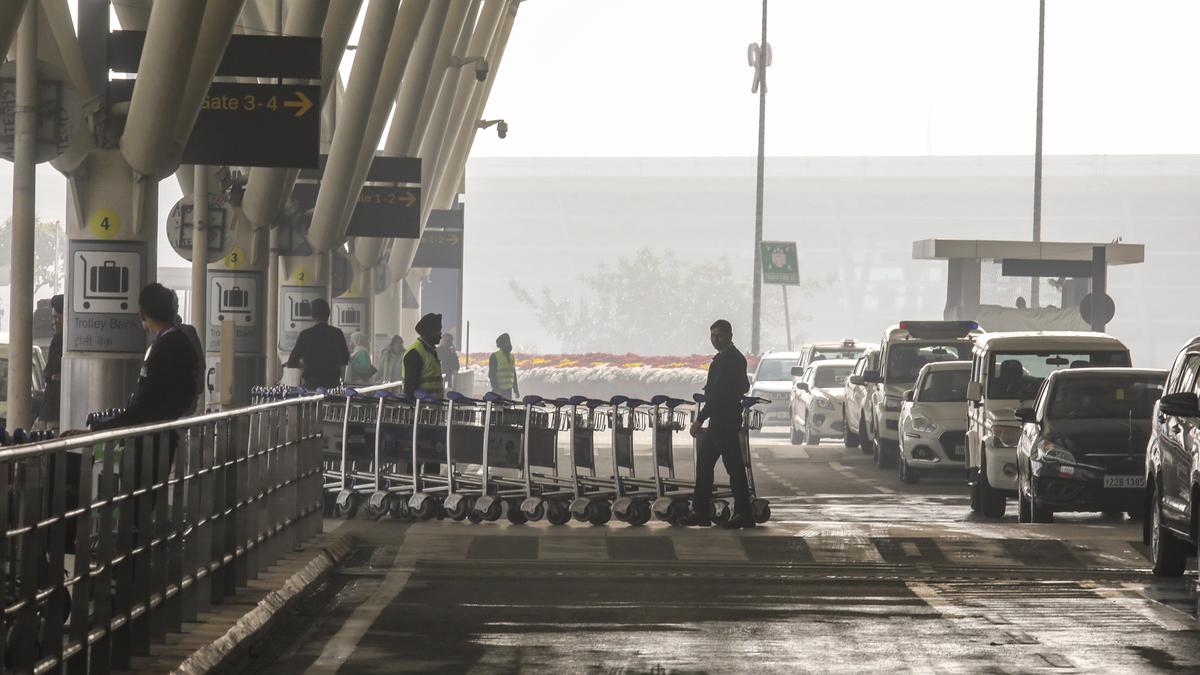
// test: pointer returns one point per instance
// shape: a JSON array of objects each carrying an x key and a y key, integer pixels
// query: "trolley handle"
[
  {"x": 668, "y": 401},
  {"x": 493, "y": 397},
  {"x": 751, "y": 401},
  {"x": 698, "y": 398},
  {"x": 634, "y": 403},
  {"x": 618, "y": 400}
]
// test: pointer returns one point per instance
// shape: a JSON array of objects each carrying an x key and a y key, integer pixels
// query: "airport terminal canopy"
[{"x": 1083, "y": 265}]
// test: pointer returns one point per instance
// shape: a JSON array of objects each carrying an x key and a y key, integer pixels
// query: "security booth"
[{"x": 1080, "y": 268}]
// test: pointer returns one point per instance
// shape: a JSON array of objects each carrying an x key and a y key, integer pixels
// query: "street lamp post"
[
  {"x": 759, "y": 56},
  {"x": 1035, "y": 288}
]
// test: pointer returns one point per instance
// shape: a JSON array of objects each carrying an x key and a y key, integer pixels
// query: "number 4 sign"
[{"x": 104, "y": 224}]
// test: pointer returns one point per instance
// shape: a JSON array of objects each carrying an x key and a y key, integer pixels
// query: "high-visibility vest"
[
  {"x": 506, "y": 371},
  {"x": 431, "y": 370}
]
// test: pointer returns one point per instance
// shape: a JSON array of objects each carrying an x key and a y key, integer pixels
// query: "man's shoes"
[
  {"x": 740, "y": 521},
  {"x": 696, "y": 519}
]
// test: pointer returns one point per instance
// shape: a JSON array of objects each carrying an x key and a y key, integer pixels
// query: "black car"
[
  {"x": 1172, "y": 469},
  {"x": 1083, "y": 444}
]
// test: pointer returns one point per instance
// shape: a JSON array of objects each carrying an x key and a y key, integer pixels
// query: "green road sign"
[{"x": 779, "y": 263}]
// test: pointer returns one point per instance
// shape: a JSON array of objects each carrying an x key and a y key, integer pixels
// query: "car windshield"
[
  {"x": 775, "y": 370},
  {"x": 1115, "y": 397},
  {"x": 905, "y": 360},
  {"x": 1019, "y": 375},
  {"x": 830, "y": 353},
  {"x": 944, "y": 386},
  {"x": 831, "y": 376}
]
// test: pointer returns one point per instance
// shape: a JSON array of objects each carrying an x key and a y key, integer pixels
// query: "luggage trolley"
[
  {"x": 591, "y": 494},
  {"x": 722, "y": 498},
  {"x": 631, "y": 496},
  {"x": 546, "y": 491},
  {"x": 352, "y": 471}
]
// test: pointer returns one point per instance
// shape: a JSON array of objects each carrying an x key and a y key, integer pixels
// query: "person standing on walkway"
[
  {"x": 320, "y": 351},
  {"x": 502, "y": 369},
  {"x": 422, "y": 370},
  {"x": 391, "y": 361},
  {"x": 448, "y": 355},
  {"x": 360, "y": 370},
  {"x": 723, "y": 392},
  {"x": 52, "y": 373},
  {"x": 193, "y": 337}
]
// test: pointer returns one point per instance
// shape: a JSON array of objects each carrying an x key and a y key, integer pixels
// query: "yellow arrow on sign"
[
  {"x": 303, "y": 103},
  {"x": 408, "y": 199}
]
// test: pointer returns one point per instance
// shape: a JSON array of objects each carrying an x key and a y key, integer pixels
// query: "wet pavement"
[{"x": 856, "y": 572}]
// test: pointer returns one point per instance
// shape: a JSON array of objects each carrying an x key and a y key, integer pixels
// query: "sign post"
[{"x": 781, "y": 266}]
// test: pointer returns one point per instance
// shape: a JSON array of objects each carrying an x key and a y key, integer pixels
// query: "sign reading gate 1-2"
[{"x": 780, "y": 263}]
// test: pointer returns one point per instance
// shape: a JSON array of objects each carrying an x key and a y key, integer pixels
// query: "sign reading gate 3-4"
[{"x": 780, "y": 263}]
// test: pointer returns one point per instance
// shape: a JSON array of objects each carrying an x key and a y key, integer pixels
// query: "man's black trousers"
[{"x": 721, "y": 442}]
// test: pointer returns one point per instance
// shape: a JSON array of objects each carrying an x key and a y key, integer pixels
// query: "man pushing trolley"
[{"x": 723, "y": 391}]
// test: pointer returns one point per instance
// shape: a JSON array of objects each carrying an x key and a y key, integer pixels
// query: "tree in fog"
[
  {"x": 49, "y": 252},
  {"x": 656, "y": 303}
]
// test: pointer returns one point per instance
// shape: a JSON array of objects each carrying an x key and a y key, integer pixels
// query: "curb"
[{"x": 253, "y": 625}]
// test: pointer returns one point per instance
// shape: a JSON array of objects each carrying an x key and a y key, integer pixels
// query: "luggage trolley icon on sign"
[
  {"x": 300, "y": 310},
  {"x": 106, "y": 282},
  {"x": 234, "y": 300},
  {"x": 350, "y": 317}
]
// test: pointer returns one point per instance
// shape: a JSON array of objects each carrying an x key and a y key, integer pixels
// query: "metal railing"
[{"x": 113, "y": 539}]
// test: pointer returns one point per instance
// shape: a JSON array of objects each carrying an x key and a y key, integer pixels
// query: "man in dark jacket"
[
  {"x": 166, "y": 387},
  {"x": 52, "y": 373},
  {"x": 320, "y": 350},
  {"x": 193, "y": 337},
  {"x": 722, "y": 409}
]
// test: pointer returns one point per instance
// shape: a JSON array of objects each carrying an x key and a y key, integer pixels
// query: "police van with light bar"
[
  {"x": 1007, "y": 372},
  {"x": 904, "y": 350}
]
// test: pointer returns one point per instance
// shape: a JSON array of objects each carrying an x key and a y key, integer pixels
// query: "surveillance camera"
[
  {"x": 481, "y": 71},
  {"x": 502, "y": 129}
]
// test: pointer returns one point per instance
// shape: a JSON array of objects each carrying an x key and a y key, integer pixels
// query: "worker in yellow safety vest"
[
  {"x": 502, "y": 369},
  {"x": 422, "y": 369}
]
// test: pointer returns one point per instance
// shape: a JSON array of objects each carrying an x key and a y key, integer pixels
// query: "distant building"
[{"x": 855, "y": 219}]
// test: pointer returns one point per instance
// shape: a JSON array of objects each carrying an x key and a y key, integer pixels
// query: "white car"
[
  {"x": 933, "y": 421},
  {"x": 773, "y": 381},
  {"x": 817, "y": 398},
  {"x": 843, "y": 349},
  {"x": 37, "y": 384}
]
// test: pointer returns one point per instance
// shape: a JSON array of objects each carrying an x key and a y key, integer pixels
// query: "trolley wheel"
[
  {"x": 761, "y": 509},
  {"x": 474, "y": 516},
  {"x": 460, "y": 508},
  {"x": 377, "y": 505},
  {"x": 514, "y": 513},
  {"x": 720, "y": 512},
  {"x": 534, "y": 510},
  {"x": 677, "y": 513},
  {"x": 599, "y": 512},
  {"x": 347, "y": 504},
  {"x": 558, "y": 513},
  {"x": 424, "y": 510},
  {"x": 398, "y": 510},
  {"x": 493, "y": 511},
  {"x": 639, "y": 513}
]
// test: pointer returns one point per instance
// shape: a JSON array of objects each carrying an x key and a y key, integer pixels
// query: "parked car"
[
  {"x": 905, "y": 349},
  {"x": 37, "y": 383},
  {"x": 817, "y": 397},
  {"x": 855, "y": 400},
  {"x": 772, "y": 381},
  {"x": 1007, "y": 371},
  {"x": 1173, "y": 468},
  {"x": 848, "y": 348},
  {"x": 1083, "y": 444},
  {"x": 933, "y": 421}
]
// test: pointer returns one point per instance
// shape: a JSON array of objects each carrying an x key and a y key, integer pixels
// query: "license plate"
[{"x": 1124, "y": 481}]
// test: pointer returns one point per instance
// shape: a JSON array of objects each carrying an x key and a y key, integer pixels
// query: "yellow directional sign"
[{"x": 302, "y": 102}]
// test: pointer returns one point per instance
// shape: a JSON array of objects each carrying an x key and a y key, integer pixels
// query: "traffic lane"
[{"x": 481, "y": 616}]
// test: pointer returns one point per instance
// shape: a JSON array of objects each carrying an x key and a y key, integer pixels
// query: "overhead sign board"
[
  {"x": 295, "y": 312},
  {"x": 104, "y": 281},
  {"x": 181, "y": 227},
  {"x": 237, "y": 297},
  {"x": 439, "y": 249},
  {"x": 383, "y": 169},
  {"x": 381, "y": 211},
  {"x": 245, "y": 55},
  {"x": 780, "y": 264},
  {"x": 57, "y": 109}
]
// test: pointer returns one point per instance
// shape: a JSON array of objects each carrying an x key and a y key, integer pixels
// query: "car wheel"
[
  {"x": 992, "y": 502},
  {"x": 887, "y": 453},
  {"x": 1168, "y": 556},
  {"x": 848, "y": 439},
  {"x": 1024, "y": 512},
  {"x": 797, "y": 435},
  {"x": 908, "y": 474},
  {"x": 863, "y": 437},
  {"x": 811, "y": 438}
]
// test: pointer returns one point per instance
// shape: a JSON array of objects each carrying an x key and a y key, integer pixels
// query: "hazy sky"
[{"x": 850, "y": 77}]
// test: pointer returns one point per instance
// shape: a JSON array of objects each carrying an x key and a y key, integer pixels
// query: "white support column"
[
  {"x": 199, "y": 290},
  {"x": 20, "y": 305}
]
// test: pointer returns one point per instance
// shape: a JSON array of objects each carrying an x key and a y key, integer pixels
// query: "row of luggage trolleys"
[{"x": 389, "y": 452}]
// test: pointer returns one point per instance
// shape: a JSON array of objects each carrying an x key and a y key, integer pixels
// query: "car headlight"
[
  {"x": 891, "y": 404},
  {"x": 1006, "y": 437},
  {"x": 824, "y": 403},
  {"x": 923, "y": 424},
  {"x": 1049, "y": 452}
]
